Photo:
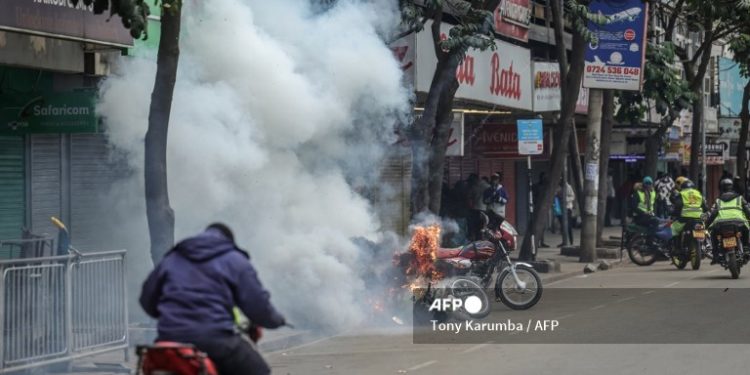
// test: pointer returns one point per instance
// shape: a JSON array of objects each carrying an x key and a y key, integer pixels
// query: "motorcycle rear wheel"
[
  {"x": 638, "y": 251},
  {"x": 695, "y": 251},
  {"x": 505, "y": 288},
  {"x": 734, "y": 267},
  {"x": 466, "y": 287}
]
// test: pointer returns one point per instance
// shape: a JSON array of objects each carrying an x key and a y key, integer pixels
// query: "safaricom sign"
[
  {"x": 500, "y": 77},
  {"x": 50, "y": 110}
]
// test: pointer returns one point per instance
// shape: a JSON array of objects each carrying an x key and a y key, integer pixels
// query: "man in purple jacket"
[{"x": 192, "y": 293}]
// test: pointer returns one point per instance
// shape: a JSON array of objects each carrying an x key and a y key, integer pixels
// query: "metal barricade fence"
[{"x": 54, "y": 309}]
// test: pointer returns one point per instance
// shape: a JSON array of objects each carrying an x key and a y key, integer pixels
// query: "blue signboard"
[
  {"x": 731, "y": 86},
  {"x": 530, "y": 137},
  {"x": 615, "y": 60}
]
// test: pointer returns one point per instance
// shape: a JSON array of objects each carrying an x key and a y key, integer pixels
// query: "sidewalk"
[{"x": 569, "y": 265}]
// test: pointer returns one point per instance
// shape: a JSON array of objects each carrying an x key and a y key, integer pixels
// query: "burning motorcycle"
[{"x": 470, "y": 268}]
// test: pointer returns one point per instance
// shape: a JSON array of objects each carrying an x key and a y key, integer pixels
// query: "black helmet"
[
  {"x": 687, "y": 185},
  {"x": 726, "y": 185}
]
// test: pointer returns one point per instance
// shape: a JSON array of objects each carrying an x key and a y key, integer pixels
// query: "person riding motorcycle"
[
  {"x": 731, "y": 207},
  {"x": 192, "y": 293},
  {"x": 643, "y": 201},
  {"x": 689, "y": 206}
]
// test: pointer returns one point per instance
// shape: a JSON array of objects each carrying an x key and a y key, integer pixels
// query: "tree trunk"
[
  {"x": 695, "y": 140},
  {"x": 741, "y": 147},
  {"x": 159, "y": 213},
  {"x": 653, "y": 143},
  {"x": 426, "y": 131},
  {"x": 590, "y": 204},
  {"x": 440, "y": 140},
  {"x": 608, "y": 121},
  {"x": 571, "y": 82},
  {"x": 575, "y": 165}
]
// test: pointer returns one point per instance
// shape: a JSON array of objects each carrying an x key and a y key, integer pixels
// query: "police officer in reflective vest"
[
  {"x": 688, "y": 207},
  {"x": 643, "y": 201},
  {"x": 729, "y": 208}
]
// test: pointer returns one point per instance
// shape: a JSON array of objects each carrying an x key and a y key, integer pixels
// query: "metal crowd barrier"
[{"x": 58, "y": 308}]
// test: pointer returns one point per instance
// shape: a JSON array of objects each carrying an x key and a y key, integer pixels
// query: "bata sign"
[
  {"x": 501, "y": 77},
  {"x": 546, "y": 87}
]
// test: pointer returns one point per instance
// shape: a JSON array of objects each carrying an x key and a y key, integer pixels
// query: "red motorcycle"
[
  {"x": 174, "y": 358},
  {"x": 517, "y": 284}
]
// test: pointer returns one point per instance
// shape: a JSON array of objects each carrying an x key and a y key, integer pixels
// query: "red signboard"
[
  {"x": 60, "y": 19},
  {"x": 512, "y": 19},
  {"x": 501, "y": 141}
]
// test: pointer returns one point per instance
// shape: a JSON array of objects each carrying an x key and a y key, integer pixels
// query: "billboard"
[
  {"x": 500, "y": 77},
  {"x": 61, "y": 19},
  {"x": 615, "y": 61},
  {"x": 731, "y": 87},
  {"x": 513, "y": 18},
  {"x": 546, "y": 87},
  {"x": 49, "y": 112}
]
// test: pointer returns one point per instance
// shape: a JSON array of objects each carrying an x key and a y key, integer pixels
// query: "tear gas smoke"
[{"x": 276, "y": 110}]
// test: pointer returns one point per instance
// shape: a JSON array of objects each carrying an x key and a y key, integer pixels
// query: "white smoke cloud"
[{"x": 275, "y": 109}]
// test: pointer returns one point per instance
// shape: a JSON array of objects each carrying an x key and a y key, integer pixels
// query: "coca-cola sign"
[
  {"x": 501, "y": 77},
  {"x": 512, "y": 19}
]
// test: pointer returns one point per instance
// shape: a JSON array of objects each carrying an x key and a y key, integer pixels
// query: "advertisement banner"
[
  {"x": 582, "y": 104},
  {"x": 512, "y": 19},
  {"x": 456, "y": 136},
  {"x": 729, "y": 128},
  {"x": 404, "y": 51},
  {"x": 616, "y": 60},
  {"x": 59, "y": 112},
  {"x": 731, "y": 86},
  {"x": 530, "y": 137},
  {"x": 501, "y": 141},
  {"x": 60, "y": 19},
  {"x": 500, "y": 77},
  {"x": 546, "y": 87}
]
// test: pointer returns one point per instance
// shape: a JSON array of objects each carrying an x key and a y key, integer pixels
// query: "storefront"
[{"x": 54, "y": 157}]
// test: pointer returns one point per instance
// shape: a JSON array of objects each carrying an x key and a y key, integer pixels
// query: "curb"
[{"x": 615, "y": 263}]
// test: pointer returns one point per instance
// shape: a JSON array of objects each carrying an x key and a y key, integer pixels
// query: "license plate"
[
  {"x": 699, "y": 234},
  {"x": 729, "y": 242}
]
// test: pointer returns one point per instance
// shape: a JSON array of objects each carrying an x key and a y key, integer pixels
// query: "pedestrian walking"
[
  {"x": 610, "y": 200},
  {"x": 569, "y": 199},
  {"x": 476, "y": 187}
]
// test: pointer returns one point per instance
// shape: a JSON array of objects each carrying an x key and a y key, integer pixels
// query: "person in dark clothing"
[{"x": 193, "y": 291}]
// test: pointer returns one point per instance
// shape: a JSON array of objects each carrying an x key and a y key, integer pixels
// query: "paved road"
[{"x": 637, "y": 305}]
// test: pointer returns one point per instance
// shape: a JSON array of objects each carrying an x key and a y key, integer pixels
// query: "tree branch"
[{"x": 437, "y": 20}]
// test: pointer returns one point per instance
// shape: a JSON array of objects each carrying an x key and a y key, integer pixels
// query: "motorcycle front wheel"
[
  {"x": 519, "y": 299},
  {"x": 639, "y": 253}
]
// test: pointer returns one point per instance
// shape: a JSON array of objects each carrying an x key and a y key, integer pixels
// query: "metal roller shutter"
[
  {"x": 92, "y": 173},
  {"x": 12, "y": 187},
  {"x": 46, "y": 182},
  {"x": 394, "y": 199}
]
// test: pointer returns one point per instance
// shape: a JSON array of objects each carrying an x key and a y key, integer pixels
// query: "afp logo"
[{"x": 471, "y": 304}]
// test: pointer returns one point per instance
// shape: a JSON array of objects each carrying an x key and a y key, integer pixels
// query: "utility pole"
[{"x": 591, "y": 178}]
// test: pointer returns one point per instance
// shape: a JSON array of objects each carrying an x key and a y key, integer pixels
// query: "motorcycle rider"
[
  {"x": 192, "y": 293},
  {"x": 643, "y": 201},
  {"x": 689, "y": 206},
  {"x": 730, "y": 207}
]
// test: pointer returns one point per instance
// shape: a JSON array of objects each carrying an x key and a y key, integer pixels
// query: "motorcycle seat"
[{"x": 448, "y": 253}]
